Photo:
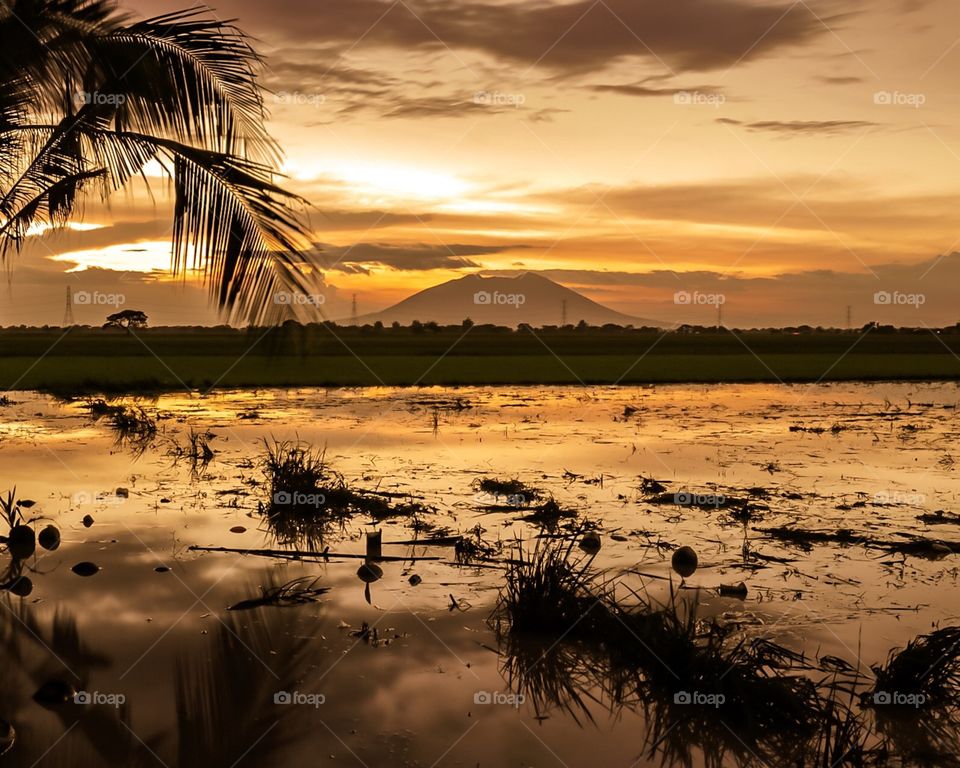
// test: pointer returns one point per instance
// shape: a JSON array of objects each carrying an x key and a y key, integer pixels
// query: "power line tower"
[
  {"x": 719, "y": 315},
  {"x": 353, "y": 311},
  {"x": 849, "y": 316},
  {"x": 563, "y": 313},
  {"x": 68, "y": 321}
]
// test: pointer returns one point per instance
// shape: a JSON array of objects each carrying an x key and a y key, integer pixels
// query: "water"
[{"x": 176, "y": 679}]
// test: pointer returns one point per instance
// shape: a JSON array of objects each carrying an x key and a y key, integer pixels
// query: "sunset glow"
[{"x": 814, "y": 144}]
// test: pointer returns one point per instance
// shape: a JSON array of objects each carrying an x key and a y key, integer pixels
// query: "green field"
[{"x": 92, "y": 360}]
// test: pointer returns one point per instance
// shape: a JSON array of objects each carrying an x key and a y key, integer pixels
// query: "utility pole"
[
  {"x": 719, "y": 315},
  {"x": 353, "y": 311},
  {"x": 849, "y": 316},
  {"x": 68, "y": 321}
]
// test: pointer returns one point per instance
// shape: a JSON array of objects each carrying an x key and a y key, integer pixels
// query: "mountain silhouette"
[{"x": 528, "y": 298}]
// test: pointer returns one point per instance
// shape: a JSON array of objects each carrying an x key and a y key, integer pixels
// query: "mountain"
[{"x": 528, "y": 298}]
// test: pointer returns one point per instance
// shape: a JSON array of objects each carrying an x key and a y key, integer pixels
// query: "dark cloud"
[
  {"x": 802, "y": 127},
  {"x": 361, "y": 256},
  {"x": 643, "y": 90},
  {"x": 841, "y": 79},
  {"x": 572, "y": 36}
]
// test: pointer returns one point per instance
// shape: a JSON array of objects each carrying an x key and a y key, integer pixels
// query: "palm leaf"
[{"x": 180, "y": 88}]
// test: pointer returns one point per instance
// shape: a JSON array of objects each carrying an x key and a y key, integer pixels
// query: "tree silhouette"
[
  {"x": 128, "y": 318},
  {"x": 89, "y": 97}
]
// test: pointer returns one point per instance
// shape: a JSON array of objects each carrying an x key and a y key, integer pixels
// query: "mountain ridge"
[{"x": 528, "y": 298}]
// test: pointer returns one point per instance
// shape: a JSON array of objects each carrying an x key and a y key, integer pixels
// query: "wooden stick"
[
  {"x": 300, "y": 554},
  {"x": 440, "y": 541}
]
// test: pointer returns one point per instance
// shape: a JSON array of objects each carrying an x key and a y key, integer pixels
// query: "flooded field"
[{"x": 167, "y": 619}]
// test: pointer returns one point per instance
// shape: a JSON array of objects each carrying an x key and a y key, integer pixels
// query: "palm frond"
[
  {"x": 188, "y": 77},
  {"x": 180, "y": 88}
]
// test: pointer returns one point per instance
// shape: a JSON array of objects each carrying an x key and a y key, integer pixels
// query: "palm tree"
[{"x": 89, "y": 97}]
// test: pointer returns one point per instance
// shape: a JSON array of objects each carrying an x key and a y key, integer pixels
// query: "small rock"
[
  {"x": 370, "y": 572},
  {"x": 590, "y": 542},
  {"x": 8, "y": 737},
  {"x": 21, "y": 586},
  {"x": 122, "y": 493},
  {"x": 85, "y": 569},
  {"x": 414, "y": 580},
  {"x": 684, "y": 561},
  {"x": 162, "y": 569},
  {"x": 49, "y": 538},
  {"x": 87, "y": 521},
  {"x": 238, "y": 529},
  {"x": 21, "y": 542},
  {"x": 164, "y": 500},
  {"x": 734, "y": 590}
]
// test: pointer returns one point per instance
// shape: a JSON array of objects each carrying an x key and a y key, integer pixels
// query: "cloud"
[
  {"x": 572, "y": 37},
  {"x": 643, "y": 90},
  {"x": 841, "y": 79},
  {"x": 802, "y": 127},
  {"x": 359, "y": 257},
  {"x": 812, "y": 297},
  {"x": 329, "y": 220}
]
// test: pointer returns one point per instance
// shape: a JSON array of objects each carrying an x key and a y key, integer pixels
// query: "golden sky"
[{"x": 797, "y": 156}]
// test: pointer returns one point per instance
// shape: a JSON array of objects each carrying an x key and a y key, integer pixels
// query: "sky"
[{"x": 800, "y": 160}]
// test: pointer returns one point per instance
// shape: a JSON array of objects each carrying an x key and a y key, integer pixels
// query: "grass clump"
[
  {"x": 132, "y": 425},
  {"x": 927, "y": 669},
  {"x": 197, "y": 452},
  {"x": 548, "y": 592},
  {"x": 697, "y": 687},
  {"x": 306, "y": 495}
]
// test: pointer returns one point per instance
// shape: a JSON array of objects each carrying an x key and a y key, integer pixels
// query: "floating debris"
[{"x": 506, "y": 494}]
